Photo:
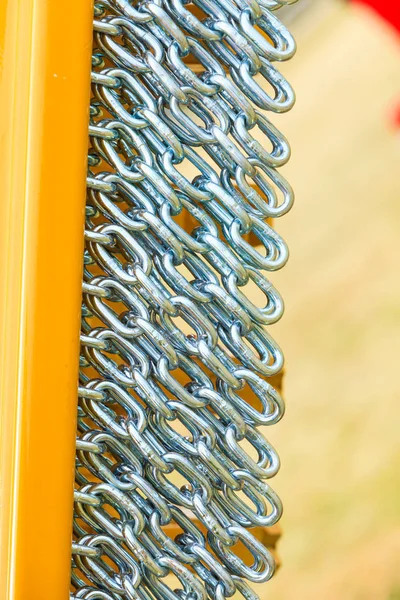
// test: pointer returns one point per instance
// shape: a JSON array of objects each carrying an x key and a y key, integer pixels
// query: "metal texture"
[
  {"x": 44, "y": 98},
  {"x": 171, "y": 339}
]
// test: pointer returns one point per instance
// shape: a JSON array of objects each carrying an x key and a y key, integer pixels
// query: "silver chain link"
[{"x": 171, "y": 339}]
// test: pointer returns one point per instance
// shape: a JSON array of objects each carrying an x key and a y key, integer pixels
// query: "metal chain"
[{"x": 171, "y": 340}]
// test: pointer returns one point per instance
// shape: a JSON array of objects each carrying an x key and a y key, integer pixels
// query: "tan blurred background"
[{"x": 339, "y": 441}]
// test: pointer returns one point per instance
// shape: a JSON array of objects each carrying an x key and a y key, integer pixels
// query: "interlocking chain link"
[{"x": 171, "y": 339}]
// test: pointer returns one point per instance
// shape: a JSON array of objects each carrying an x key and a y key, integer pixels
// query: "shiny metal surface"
[{"x": 170, "y": 336}]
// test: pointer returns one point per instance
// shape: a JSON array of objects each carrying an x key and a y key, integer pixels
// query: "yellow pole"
[{"x": 45, "y": 49}]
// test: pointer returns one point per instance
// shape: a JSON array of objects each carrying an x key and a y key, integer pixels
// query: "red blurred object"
[
  {"x": 388, "y": 9},
  {"x": 396, "y": 117}
]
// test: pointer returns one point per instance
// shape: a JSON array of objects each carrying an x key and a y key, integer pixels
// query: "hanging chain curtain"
[{"x": 183, "y": 182}]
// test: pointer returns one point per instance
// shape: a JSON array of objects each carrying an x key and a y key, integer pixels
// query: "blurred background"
[{"x": 339, "y": 441}]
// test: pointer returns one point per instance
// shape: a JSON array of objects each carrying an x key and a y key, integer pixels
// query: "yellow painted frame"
[{"x": 45, "y": 51}]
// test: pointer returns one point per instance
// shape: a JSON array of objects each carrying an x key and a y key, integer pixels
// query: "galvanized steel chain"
[{"x": 171, "y": 338}]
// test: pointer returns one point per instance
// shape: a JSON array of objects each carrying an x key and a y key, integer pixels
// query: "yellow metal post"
[{"x": 45, "y": 49}]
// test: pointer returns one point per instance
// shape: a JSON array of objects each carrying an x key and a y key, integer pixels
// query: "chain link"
[{"x": 171, "y": 340}]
